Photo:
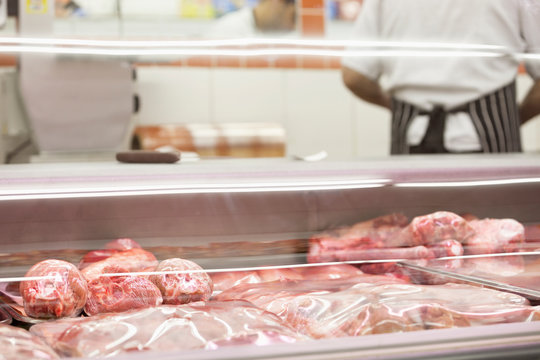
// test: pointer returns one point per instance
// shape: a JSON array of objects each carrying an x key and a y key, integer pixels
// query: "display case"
[{"x": 232, "y": 216}]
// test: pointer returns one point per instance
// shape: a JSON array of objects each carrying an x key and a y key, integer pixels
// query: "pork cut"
[
  {"x": 335, "y": 309},
  {"x": 380, "y": 232},
  {"x": 436, "y": 227},
  {"x": 495, "y": 236},
  {"x": 182, "y": 281},
  {"x": 54, "y": 288},
  {"x": 116, "y": 293},
  {"x": 199, "y": 325},
  {"x": 132, "y": 260},
  {"x": 111, "y": 248},
  {"x": 17, "y": 343}
]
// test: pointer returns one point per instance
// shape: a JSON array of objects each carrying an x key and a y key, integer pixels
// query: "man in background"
[
  {"x": 268, "y": 16},
  {"x": 453, "y": 103}
]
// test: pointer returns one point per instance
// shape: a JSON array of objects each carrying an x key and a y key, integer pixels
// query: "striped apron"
[{"x": 495, "y": 117}]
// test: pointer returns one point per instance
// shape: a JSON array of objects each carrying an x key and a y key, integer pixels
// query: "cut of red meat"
[
  {"x": 190, "y": 284},
  {"x": 55, "y": 288},
  {"x": 133, "y": 260},
  {"x": 380, "y": 232},
  {"x": 95, "y": 256},
  {"x": 495, "y": 236},
  {"x": 416, "y": 252},
  {"x": 279, "y": 274},
  {"x": 335, "y": 308},
  {"x": 211, "y": 325},
  {"x": 122, "y": 244},
  {"x": 445, "y": 248},
  {"x": 120, "y": 293},
  {"x": 111, "y": 248},
  {"x": 435, "y": 227},
  {"x": 328, "y": 272},
  {"x": 17, "y": 343},
  {"x": 227, "y": 279}
]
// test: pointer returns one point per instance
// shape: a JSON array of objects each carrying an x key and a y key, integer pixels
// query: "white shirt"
[
  {"x": 448, "y": 81},
  {"x": 236, "y": 24}
]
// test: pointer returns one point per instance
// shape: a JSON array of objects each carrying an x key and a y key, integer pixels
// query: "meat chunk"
[
  {"x": 120, "y": 293},
  {"x": 17, "y": 343},
  {"x": 112, "y": 289},
  {"x": 446, "y": 248},
  {"x": 436, "y": 227},
  {"x": 55, "y": 288},
  {"x": 328, "y": 272},
  {"x": 133, "y": 260},
  {"x": 182, "y": 281},
  {"x": 111, "y": 248},
  {"x": 198, "y": 325},
  {"x": 380, "y": 232},
  {"x": 122, "y": 244},
  {"x": 337, "y": 308},
  {"x": 227, "y": 279},
  {"x": 495, "y": 236}
]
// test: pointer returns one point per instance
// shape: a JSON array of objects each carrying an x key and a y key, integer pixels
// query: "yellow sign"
[{"x": 36, "y": 6}]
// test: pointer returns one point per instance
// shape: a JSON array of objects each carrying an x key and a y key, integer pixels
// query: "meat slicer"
[{"x": 77, "y": 107}]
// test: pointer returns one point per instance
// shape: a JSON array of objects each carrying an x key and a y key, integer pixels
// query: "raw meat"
[
  {"x": 495, "y": 236},
  {"x": 95, "y": 256},
  {"x": 111, "y": 248},
  {"x": 335, "y": 309},
  {"x": 55, "y": 288},
  {"x": 122, "y": 244},
  {"x": 17, "y": 343},
  {"x": 380, "y": 232},
  {"x": 198, "y": 325},
  {"x": 328, "y": 272},
  {"x": 183, "y": 281},
  {"x": 227, "y": 279},
  {"x": 120, "y": 293},
  {"x": 416, "y": 252},
  {"x": 432, "y": 228},
  {"x": 133, "y": 260},
  {"x": 446, "y": 248}
]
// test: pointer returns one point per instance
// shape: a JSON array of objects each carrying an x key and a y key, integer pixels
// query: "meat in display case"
[{"x": 255, "y": 259}]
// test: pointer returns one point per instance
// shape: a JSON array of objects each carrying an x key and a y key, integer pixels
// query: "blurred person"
[
  {"x": 268, "y": 16},
  {"x": 66, "y": 8},
  {"x": 449, "y": 104}
]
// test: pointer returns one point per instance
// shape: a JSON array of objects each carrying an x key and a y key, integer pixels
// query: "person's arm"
[
  {"x": 530, "y": 106},
  {"x": 365, "y": 88}
]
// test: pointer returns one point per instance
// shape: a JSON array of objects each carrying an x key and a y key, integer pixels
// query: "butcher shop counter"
[{"x": 232, "y": 216}]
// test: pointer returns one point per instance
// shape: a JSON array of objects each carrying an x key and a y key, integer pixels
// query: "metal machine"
[{"x": 77, "y": 108}]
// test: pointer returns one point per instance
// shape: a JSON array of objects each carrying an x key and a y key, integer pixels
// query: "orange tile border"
[
  {"x": 8, "y": 60},
  {"x": 311, "y": 4},
  {"x": 287, "y": 62},
  {"x": 228, "y": 61},
  {"x": 199, "y": 61}
]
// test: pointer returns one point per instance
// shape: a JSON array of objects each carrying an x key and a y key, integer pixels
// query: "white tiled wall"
[{"x": 316, "y": 110}]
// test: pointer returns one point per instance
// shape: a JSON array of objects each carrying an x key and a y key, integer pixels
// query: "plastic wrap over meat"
[
  {"x": 495, "y": 236},
  {"x": 432, "y": 228},
  {"x": 182, "y": 281},
  {"x": 199, "y": 325},
  {"x": 132, "y": 260},
  {"x": 333, "y": 309},
  {"x": 111, "y": 248},
  {"x": 227, "y": 279},
  {"x": 17, "y": 343},
  {"x": 377, "y": 233},
  {"x": 55, "y": 288},
  {"x": 116, "y": 293}
]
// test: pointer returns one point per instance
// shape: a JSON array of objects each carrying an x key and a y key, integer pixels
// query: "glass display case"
[
  {"x": 251, "y": 225},
  {"x": 140, "y": 223}
]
